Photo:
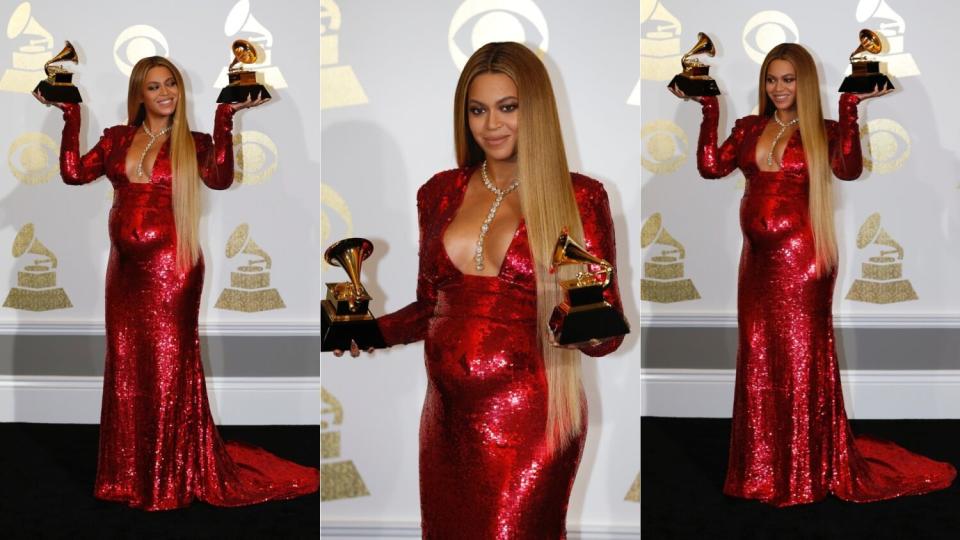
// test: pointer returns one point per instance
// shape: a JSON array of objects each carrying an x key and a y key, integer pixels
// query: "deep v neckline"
[
  {"x": 164, "y": 149},
  {"x": 457, "y": 204},
  {"x": 756, "y": 144}
]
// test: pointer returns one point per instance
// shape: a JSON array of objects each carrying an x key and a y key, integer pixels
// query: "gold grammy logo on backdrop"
[
  {"x": 882, "y": 281},
  {"x": 36, "y": 288},
  {"x": 663, "y": 280},
  {"x": 633, "y": 494},
  {"x": 256, "y": 157},
  {"x": 664, "y": 146},
  {"x": 496, "y": 20},
  {"x": 765, "y": 30},
  {"x": 878, "y": 15},
  {"x": 136, "y": 42},
  {"x": 332, "y": 201},
  {"x": 36, "y": 48},
  {"x": 242, "y": 24},
  {"x": 34, "y": 158},
  {"x": 249, "y": 289},
  {"x": 339, "y": 86},
  {"x": 886, "y": 145},
  {"x": 660, "y": 44},
  {"x": 338, "y": 479}
]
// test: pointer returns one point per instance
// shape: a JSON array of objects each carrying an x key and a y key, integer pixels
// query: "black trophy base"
[
  {"x": 864, "y": 84},
  {"x": 695, "y": 87},
  {"x": 336, "y": 335},
  {"x": 573, "y": 326},
  {"x": 58, "y": 93},
  {"x": 242, "y": 92}
]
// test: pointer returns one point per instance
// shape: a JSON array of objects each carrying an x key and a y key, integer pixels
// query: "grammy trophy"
[
  {"x": 695, "y": 79},
  {"x": 866, "y": 73},
  {"x": 243, "y": 84},
  {"x": 346, "y": 315},
  {"x": 58, "y": 86}
]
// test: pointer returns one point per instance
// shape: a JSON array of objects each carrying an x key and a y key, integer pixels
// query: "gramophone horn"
[
  {"x": 568, "y": 251},
  {"x": 884, "y": 239},
  {"x": 253, "y": 249},
  {"x": 870, "y": 42},
  {"x": 665, "y": 239},
  {"x": 22, "y": 23},
  {"x": 349, "y": 254},
  {"x": 704, "y": 45},
  {"x": 67, "y": 54},
  {"x": 240, "y": 20},
  {"x": 868, "y": 231},
  {"x": 244, "y": 52},
  {"x": 650, "y": 229}
]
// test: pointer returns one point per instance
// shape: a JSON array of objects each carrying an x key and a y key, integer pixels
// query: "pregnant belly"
[
  {"x": 141, "y": 231},
  {"x": 774, "y": 220}
]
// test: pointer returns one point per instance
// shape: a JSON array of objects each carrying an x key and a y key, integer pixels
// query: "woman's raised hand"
[
  {"x": 250, "y": 102},
  {"x": 354, "y": 350},
  {"x": 877, "y": 92},
  {"x": 679, "y": 93},
  {"x": 41, "y": 99}
]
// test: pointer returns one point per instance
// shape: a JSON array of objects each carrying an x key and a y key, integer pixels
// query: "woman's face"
[
  {"x": 781, "y": 85},
  {"x": 160, "y": 92},
  {"x": 492, "y": 114}
]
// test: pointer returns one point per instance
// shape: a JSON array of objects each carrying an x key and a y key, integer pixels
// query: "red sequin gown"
[
  {"x": 159, "y": 447},
  {"x": 790, "y": 442},
  {"x": 485, "y": 472}
]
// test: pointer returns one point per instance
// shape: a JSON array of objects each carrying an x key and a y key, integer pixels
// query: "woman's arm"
[
  {"x": 409, "y": 324},
  {"x": 74, "y": 168},
  {"x": 714, "y": 161},
  {"x": 599, "y": 238},
  {"x": 215, "y": 155},
  {"x": 846, "y": 158}
]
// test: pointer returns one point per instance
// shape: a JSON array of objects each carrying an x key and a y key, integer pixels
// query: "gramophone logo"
[
  {"x": 339, "y": 479},
  {"x": 660, "y": 44},
  {"x": 496, "y": 20},
  {"x": 633, "y": 494},
  {"x": 249, "y": 289},
  {"x": 765, "y": 30},
  {"x": 256, "y": 157},
  {"x": 36, "y": 288},
  {"x": 663, "y": 280},
  {"x": 334, "y": 215},
  {"x": 241, "y": 24},
  {"x": 36, "y": 47},
  {"x": 886, "y": 145},
  {"x": 136, "y": 42},
  {"x": 882, "y": 281},
  {"x": 879, "y": 16},
  {"x": 34, "y": 158},
  {"x": 664, "y": 147},
  {"x": 339, "y": 86}
]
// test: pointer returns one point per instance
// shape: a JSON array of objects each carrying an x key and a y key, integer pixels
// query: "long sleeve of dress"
[
  {"x": 409, "y": 324},
  {"x": 846, "y": 158},
  {"x": 717, "y": 161},
  {"x": 74, "y": 168},
  {"x": 215, "y": 156}
]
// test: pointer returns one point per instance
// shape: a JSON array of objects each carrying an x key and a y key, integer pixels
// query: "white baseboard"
[
  {"x": 210, "y": 328},
  {"x": 868, "y": 394},
  {"x": 840, "y": 320},
  {"x": 233, "y": 400},
  {"x": 381, "y": 531}
]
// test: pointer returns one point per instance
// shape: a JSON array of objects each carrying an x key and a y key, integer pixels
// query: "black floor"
[
  {"x": 46, "y": 490},
  {"x": 683, "y": 465}
]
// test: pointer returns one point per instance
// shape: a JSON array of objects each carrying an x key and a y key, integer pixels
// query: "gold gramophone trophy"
[
  {"x": 695, "y": 79},
  {"x": 583, "y": 314},
  {"x": 866, "y": 74},
  {"x": 882, "y": 279},
  {"x": 243, "y": 84},
  {"x": 346, "y": 315},
  {"x": 58, "y": 86},
  {"x": 663, "y": 280},
  {"x": 36, "y": 288}
]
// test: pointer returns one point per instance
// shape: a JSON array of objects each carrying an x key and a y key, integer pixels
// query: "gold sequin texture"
[
  {"x": 790, "y": 442},
  {"x": 485, "y": 471},
  {"x": 159, "y": 448},
  {"x": 340, "y": 481}
]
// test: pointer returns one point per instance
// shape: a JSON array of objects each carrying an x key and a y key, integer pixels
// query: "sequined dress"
[
  {"x": 159, "y": 448},
  {"x": 485, "y": 472},
  {"x": 790, "y": 441}
]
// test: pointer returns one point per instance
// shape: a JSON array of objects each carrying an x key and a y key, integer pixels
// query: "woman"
[
  {"x": 790, "y": 442},
  {"x": 159, "y": 448},
  {"x": 504, "y": 419}
]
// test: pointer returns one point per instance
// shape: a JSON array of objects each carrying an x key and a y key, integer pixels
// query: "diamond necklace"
[
  {"x": 153, "y": 139},
  {"x": 500, "y": 193},
  {"x": 783, "y": 127}
]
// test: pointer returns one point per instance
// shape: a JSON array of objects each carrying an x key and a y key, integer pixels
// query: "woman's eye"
[
  {"x": 476, "y": 111},
  {"x": 509, "y": 108}
]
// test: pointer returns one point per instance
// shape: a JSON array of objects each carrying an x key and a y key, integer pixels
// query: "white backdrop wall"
[
  {"x": 274, "y": 203},
  {"x": 910, "y": 185},
  {"x": 388, "y": 78}
]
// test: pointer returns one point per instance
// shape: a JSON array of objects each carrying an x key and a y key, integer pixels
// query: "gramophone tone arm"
[
  {"x": 215, "y": 155},
  {"x": 74, "y": 168},
  {"x": 715, "y": 161},
  {"x": 846, "y": 158}
]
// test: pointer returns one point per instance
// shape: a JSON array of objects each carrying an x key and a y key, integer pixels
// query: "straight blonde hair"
[
  {"x": 548, "y": 205},
  {"x": 814, "y": 135},
  {"x": 183, "y": 159}
]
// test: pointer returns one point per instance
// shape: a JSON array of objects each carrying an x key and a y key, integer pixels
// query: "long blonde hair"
[
  {"x": 547, "y": 202},
  {"x": 814, "y": 135},
  {"x": 183, "y": 159}
]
